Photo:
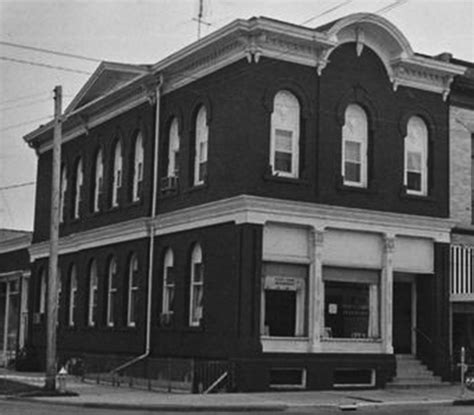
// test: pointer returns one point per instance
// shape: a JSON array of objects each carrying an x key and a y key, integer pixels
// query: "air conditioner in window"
[
  {"x": 166, "y": 319},
  {"x": 169, "y": 183},
  {"x": 37, "y": 318}
]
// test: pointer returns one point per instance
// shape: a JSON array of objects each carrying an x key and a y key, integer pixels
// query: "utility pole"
[{"x": 52, "y": 303}]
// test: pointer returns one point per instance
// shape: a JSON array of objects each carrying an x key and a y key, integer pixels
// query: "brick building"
[
  {"x": 272, "y": 196},
  {"x": 14, "y": 284}
]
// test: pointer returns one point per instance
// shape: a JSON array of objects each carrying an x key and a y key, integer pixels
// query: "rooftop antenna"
[{"x": 200, "y": 21}]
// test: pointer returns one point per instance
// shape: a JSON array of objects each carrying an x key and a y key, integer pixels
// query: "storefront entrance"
[{"x": 402, "y": 317}]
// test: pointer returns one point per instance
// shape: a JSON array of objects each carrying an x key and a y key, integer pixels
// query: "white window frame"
[
  {"x": 285, "y": 117},
  {"x": 117, "y": 177},
  {"x": 137, "y": 167},
  {"x": 111, "y": 291},
  {"x": 99, "y": 180},
  {"x": 201, "y": 145},
  {"x": 374, "y": 292},
  {"x": 62, "y": 196},
  {"x": 72, "y": 295},
  {"x": 132, "y": 290},
  {"x": 196, "y": 288},
  {"x": 79, "y": 178},
  {"x": 93, "y": 294},
  {"x": 416, "y": 141},
  {"x": 168, "y": 287},
  {"x": 173, "y": 150},
  {"x": 355, "y": 130},
  {"x": 295, "y": 283}
]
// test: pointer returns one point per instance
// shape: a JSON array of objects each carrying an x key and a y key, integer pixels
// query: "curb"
[
  {"x": 157, "y": 407},
  {"x": 463, "y": 402}
]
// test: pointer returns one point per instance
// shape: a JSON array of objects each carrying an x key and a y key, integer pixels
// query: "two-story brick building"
[{"x": 272, "y": 195}]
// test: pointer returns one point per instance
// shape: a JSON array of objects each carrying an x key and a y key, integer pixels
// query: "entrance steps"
[{"x": 411, "y": 373}]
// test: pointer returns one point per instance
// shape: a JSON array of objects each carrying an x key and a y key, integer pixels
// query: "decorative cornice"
[
  {"x": 22, "y": 241},
  {"x": 257, "y": 210},
  {"x": 107, "y": 235}
]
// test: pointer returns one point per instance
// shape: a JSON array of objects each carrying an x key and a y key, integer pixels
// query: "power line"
[
  {"x": 8, "y": 101},
  {"x": 44, "y": 65},
  {"x": 338, "y": 6},
  {"x": 52, "y": 52},
  {"x": 15, "y": 186},
  {"x": 11, "y": 127},
  {"x": 25, "y": 104}
]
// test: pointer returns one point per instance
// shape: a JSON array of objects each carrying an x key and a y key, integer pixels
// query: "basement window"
[
  {"x": 288, "y": 378},
  {"x": 354, "y": 378}
]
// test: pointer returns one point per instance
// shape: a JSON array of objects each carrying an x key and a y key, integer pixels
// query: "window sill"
[
  {"x": 284, "y": 338},
  {"x": 197, "y": 187},
  {"x": 282, "y": 179},
  {"x": 370, "y": 190},
  {"x": 422, "y": 198},
  {"x": 350, "y": 340}
]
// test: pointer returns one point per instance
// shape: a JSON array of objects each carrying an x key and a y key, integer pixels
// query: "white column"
[
  {"x": 386, "y": 291},
  {"x": 5, "y": 327},
  {"x": 317, "y": 290}
]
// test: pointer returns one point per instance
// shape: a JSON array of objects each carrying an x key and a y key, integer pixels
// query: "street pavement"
[{"x": 93, "y": 395}]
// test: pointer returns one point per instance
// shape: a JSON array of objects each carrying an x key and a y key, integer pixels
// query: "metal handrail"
[{"x": 442, "y": 348}]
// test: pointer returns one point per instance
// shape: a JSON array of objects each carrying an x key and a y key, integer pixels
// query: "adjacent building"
[
  {"x": 14, "y": 283},
  {"x": 461, "y": 208},
  {"x": 273, "y": 197}
]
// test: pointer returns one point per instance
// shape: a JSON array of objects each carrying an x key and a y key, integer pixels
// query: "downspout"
[{"x": 151, "y": 230}]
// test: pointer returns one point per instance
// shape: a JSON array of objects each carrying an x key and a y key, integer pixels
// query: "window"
[
  {"x": 200, "y": 158},
  {"x": 351, "y": 303},
  {"x": 197, "y": 287},
  {"x": 138, "y": 168},
  {"x": 59, "y": 288},
  {"x": 98, "y": 182},
  {"x": 416, "y": 157},
  {"x": 78, "y": 189},
  {"x": 132, "y": 291},
  {"x": 72, "y": 295},
  {"x": 168, "y": 284},
  {"x": 354, "y": 147},
  {"x": 93, "y": 292},
  {"x": 111, "y": 292},
  {"x": 285, "y": 135},
  {"x": 42, "y": 292},
  {"x": 117, "y": 178},
  {"x": 173, "y": 150},
  {"x": 284, "y": 300},
  {"x": 62, "y": 196}
]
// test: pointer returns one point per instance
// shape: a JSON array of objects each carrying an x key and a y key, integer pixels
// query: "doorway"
[{"x": 403, "y": 311}]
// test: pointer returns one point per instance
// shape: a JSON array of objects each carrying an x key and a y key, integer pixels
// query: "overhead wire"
[
  {"x": 44, "y": 65},
  {"x": 52, "y": 52},
  {"x": 17, "y": 185}
]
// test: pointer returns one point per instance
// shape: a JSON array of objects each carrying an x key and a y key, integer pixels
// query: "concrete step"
[
  {"x": 411, "y": 373},
  {"x": 414, "y": 385}
]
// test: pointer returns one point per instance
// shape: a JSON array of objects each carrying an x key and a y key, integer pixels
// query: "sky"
[{"x": 146, "y": 31}]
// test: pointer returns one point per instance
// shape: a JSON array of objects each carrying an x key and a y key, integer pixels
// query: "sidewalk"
[{"x": 92, "y": 395}]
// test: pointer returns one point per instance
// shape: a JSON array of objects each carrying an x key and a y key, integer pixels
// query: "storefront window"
[
  {"x": 284, "y": 300},
  {"x": 351, "y": 308}
]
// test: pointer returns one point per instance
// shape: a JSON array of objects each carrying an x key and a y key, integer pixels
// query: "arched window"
[
  {"x": 201, "y": 140},
  {"x": 117, "y": 178},
  {"x": 62, "y": 196},
  {"x": 354, "y": 147},
  {"x": 72, "y": 295},
  {"x": 173, "y": 150},
  {"x": 93, "y": 294},
  {"x": 59, "y": 289},
  {"x": 98, "y": 182},
  {"x": 416, "y": 157},
  {"x": 196, "y": 287},
  {"x": 132, "y": 303},
  {"x": 78, "y": 189},
  {"x": 42, "y": 292},
  {"x": 111, "y": 292},
  {"x": 138, "y": 168},
  {"x": 285, "y": 135},
  {"x": 168, "y": 286}
]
